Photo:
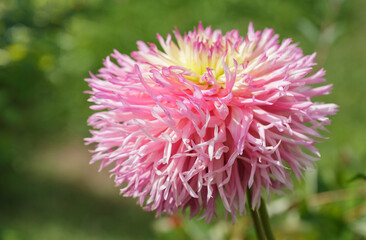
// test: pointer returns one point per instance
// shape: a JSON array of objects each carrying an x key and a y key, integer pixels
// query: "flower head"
[{"x": 207, "y": 117}]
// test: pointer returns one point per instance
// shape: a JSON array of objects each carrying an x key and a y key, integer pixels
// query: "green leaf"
[{"x": 358, "y": 176}]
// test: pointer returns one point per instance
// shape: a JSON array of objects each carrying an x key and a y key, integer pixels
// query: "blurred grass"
[{"x": 47, "y": 188}]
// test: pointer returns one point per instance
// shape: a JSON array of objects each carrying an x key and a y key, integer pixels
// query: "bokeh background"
[{"x": 49, "y": 191}]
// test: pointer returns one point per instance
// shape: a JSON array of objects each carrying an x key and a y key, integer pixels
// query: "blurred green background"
[{"x": 49, "y": 191}]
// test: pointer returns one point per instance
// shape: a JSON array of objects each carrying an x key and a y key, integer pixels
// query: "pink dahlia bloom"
[{"x": 207, "y": 117}]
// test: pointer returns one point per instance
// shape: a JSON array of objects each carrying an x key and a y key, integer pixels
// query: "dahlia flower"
[{"x": 207, "y": 117}]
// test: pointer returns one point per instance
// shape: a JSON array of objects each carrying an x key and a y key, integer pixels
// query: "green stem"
[
  {"x": 265, "y": 221},
  {"x": 255, "y": 216}
]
